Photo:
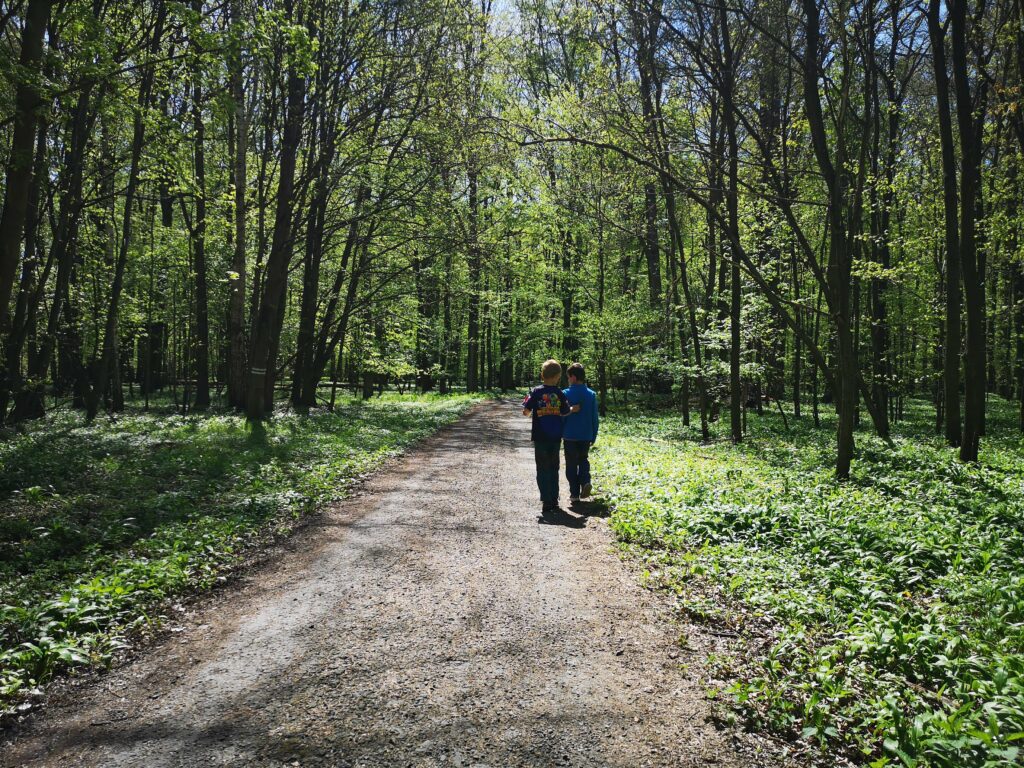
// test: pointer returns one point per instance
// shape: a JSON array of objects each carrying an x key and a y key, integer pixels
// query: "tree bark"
[
  {"x": 328, "y": 338},
  {"x": 838, "y": 273},
  {"x": 646, "y": 20},
  {"x": 951, "y": 339},
  {"x": 270, "y": 315},
  {"x": 970, "y": 111},
  {"x": 473, "y": 322},
  {"x": 18, "y": 178},
  {"x": 24, "y": 324},
  {"x": 104, "y": 365},
  {"x": 732, "y": 207},
  {"x": 237, "y": 278},
  {"x": 28, "y": 401},
  {"x": 201, "y": 328}
]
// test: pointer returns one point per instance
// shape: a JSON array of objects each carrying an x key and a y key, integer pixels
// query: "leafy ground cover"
[
  {"x": 881, "y": 620},
  {"x": 100, "y": 524}
]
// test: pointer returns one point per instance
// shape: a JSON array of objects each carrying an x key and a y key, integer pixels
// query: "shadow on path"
[{"x": 561, "y": 517}]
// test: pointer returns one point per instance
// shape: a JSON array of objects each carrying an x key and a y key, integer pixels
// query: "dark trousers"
[
  {"x": 577, "y": 465},
  {"x": 545, "y": 453}
]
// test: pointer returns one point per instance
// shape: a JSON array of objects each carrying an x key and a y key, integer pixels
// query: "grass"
[
  {"x": 881, "y": 620},
  {"x": 101, "y": 524}
]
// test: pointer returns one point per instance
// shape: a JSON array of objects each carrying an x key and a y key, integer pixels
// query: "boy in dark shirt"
[{"x": 547, "y": 406}]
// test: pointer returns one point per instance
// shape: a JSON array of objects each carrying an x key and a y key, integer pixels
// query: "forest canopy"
[{"x": 753, "y": 203}]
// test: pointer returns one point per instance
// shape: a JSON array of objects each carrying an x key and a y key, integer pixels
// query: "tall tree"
[
  {"x": 239, "y": 181},
  {"x": 951, "y": 340},
  {"x": 266, "y": 332},
  {"x": 104, "y": 364},
  {"x": 971, "y": 88},
  {"x": 18, "y": 173},
  {"x": 201, "y": 328}
]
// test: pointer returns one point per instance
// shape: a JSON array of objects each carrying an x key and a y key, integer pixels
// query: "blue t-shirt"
[
  {"x": 581, "y": 426},
  {"x": 548, "y": 405}
]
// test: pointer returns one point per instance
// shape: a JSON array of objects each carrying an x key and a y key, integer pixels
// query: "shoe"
[
  {"x": 574, "y": 499},
  {"x": 585, "y": 490}
]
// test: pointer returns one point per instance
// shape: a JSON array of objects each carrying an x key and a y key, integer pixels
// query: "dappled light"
[{"x": 377, "y": 310}]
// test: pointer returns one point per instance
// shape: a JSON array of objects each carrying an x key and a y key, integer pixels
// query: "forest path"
[{"x": 431, "y": 620}]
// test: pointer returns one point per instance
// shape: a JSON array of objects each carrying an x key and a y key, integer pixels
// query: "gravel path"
[{"x": 430, "y": 620}]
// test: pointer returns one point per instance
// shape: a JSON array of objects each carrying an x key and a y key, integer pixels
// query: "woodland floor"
[{"x": 429, "y": 620}]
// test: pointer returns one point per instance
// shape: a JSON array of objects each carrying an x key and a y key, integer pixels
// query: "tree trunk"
[
  {"x": 840, "y": 256},
  {"x": 237, "y": 276},
  {"x": 646, "y": 22},
  {"x": 24, "y": 324},
  {"x": 446, "y": 335},
  {"x": 473, "y": 326},
  {"x": 28, "y": 402},
  {"x": 270, "y": 315},
  {"x": 651, "y": 250},
  {"x": 951, "y": 341},
  {"x": 104, "y": 365},
  {"x": 732, "y": 203},
  {"x": 201, "y": 329},
  {"x": 970, "y": 116},
  {"x": 305, "y": 352},
  {"x": 797, "y": 350},
  {"x": 27, "y": 102},
  {"x": 329, "y": 336},
  {"x": 881, "y": 222}
]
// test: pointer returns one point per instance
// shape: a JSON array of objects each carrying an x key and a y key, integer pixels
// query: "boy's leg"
[
  {"x": 584, "y": 474},
  {"x": 539, "y": 458},
  {"x": 546, "y": 456},
  {"x": 572, "y": 467},
  {"x": 556, "y": 449},
  {"x": 584, "y": 462}
]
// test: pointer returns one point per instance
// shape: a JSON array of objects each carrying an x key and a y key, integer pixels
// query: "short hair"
[
  {"x": 550, "y": 370},
  {"x": 576, "y": 371}
]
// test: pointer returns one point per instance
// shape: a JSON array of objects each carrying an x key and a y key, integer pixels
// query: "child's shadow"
[
  {"x": 561, "y": 517},
  {"x": 591, "y": 508}
]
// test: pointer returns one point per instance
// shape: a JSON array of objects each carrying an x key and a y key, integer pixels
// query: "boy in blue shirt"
[
  {"x": 579, "y": 433},
  {"x": 547, "y": 407}
]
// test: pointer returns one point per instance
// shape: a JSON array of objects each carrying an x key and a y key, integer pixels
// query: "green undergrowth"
[
  {"x": 880, "y": 620},
  {"x": 101, "y": 524}
]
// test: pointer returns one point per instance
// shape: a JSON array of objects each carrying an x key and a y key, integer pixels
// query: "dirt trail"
[{"x": 428, "y": 621}]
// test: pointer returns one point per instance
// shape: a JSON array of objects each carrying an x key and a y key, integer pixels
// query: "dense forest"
[
  {"x": 746, "y": 205},
  {"x": 253, "y": 250}
]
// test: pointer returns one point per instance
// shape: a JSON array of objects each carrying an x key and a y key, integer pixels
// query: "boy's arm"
[
  {"x": 573, "y": 407},
  {"x": 527, "y": 405}
]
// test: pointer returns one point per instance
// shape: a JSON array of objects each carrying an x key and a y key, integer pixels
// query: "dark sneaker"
[{"x": 585, "y": 490}]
